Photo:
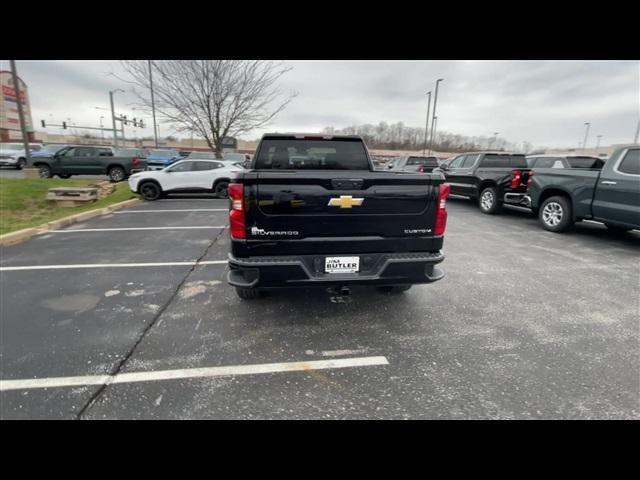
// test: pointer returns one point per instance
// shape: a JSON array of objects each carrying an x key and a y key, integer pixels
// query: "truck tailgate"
[{"x": 309, "y": 211}]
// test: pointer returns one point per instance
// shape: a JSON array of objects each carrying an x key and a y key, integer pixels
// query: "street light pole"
[
  {"x": 586, "y": 134},
  {"x": 101, "y": 127},
  {"x": 433, "y": 115},
  {"x": 23, "y": 126},
  {"x": 598, "y": 143},
  {"x": 426, "y": 127},
  {"x": 495, "y": 138},
  {"x": 635, "y": 140},
  {"x": 153, "y": 106}
]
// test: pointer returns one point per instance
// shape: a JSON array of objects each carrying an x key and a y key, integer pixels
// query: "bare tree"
[{"x": 211, "y": 98}]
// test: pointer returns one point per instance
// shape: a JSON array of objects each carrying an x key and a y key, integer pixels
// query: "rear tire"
[
  {"x": 394, "y": 288},
  {"x": 247, "y": 293},
  {"x": 220, "y": 189},
  {"x": 21, "y": 164},
  {"x": 555, "y": 214},
  {"x": 116, "y": 174},
  {"x": 617, "y": 229},
  {"x": 150, "y": 191},
  {"x": 489, "y": 202},
  {"x": 44, "y": 171}
]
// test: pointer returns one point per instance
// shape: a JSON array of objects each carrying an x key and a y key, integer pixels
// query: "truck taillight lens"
[
  {"x": 135, "y": 161},
  {"x": 441, "y": 215},
  {"x": 236, "y": 210},
  {"x": 516, "y": 176}
]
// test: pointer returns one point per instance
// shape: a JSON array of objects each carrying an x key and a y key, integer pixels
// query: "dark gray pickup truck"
[
  {"x": 561, "y": 197},
  {"x": 88, "y": 160}
]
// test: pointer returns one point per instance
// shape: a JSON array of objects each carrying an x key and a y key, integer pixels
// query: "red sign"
[{"x": 11, "y": 92}]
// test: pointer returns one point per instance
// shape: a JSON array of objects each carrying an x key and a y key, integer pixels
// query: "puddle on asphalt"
[{"x": 72, "y": 303}]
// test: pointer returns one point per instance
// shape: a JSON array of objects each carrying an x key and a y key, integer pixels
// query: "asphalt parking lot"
[{"x": 132, "y": 319}]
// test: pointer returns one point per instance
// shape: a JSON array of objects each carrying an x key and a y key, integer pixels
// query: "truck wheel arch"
[
  {"x": 555, "y": 192},
  {"x": 484, "y": 184}
]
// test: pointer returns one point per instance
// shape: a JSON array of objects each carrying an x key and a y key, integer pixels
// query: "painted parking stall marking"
[
  {"x": 133, "y": 377},
  {"x": 121, "y": 212},
  {"x": 127, "y": 229},
  {"x": 112, "y": 265}
]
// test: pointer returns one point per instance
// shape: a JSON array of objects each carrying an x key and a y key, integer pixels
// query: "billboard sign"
[{"x": 9, "y": 116}]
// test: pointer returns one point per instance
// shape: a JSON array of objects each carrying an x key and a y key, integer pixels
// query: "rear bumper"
[
  {"x": 308, "y": 270},
  {"x": 521, "y": 199}
]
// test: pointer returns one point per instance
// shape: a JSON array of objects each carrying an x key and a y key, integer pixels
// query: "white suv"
[
  {"x": 13, "y": 154},
  {"x": 185, "y": 176}
]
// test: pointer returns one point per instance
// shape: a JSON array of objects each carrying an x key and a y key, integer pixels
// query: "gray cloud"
[{"x": 543, "y": 102}]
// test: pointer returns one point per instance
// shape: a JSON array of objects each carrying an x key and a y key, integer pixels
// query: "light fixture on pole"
[
  {"x": 433, "y": 115},
  {"x": 426, "y": 127},
  {"x": 586, "y": 134}
]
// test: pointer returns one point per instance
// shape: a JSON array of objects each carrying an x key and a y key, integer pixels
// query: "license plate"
[{"x": 342, "y": 264}]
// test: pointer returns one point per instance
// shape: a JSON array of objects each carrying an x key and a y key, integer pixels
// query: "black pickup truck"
[
  {"x": 490, "y": 178},
  {"x": 311, "y": 211},
  {"x": 88, "y": 160},
  {"x": 611, "y": 195}
]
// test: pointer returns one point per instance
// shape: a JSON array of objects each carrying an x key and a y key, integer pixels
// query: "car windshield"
[
  {"x": 233, "y": 156},
  {"x": 314, "y": 154},
  {"x": 162, "y": 153},
  {"x": 585, "y": 162},
  {"x": 203, "y": 155},
  {"x": 52, "y": 148},
  {"x": 11, "y": 146}
]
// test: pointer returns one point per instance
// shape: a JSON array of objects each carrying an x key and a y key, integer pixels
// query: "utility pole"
[
  {"x": 23, "y": 126},
  {"x": 586, "y": 134},
  {"x": 433, "y": 115},
  {"x": 153, "y": 106},
  {"x": 426, "y": 127},
  {"x": 113, "y": 120}
]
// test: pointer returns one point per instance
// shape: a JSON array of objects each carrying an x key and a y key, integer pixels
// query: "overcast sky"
[{"x": 545, "y": 103}]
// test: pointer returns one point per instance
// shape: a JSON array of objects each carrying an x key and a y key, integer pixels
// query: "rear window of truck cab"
[
  {"x": 504, "y": 161},
  {"x": 291, "y": 153}
]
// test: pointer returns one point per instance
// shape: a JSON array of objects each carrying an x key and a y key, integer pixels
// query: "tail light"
[
  {"x": 135, "y": 161},
  {"x": 530, "y": 179},
  {"x": 236, "y": 210},
  {"x": 441, "y": 215},
  {"x": 421, "y": 168},
  {"x": 516, "y": 177}
]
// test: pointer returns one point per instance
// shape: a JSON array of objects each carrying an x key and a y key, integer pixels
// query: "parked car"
[
  {"x": 49, "y": 150},
  {"x": 313, "y": 212},
  {"x": 14, "y": 155},
  {"x": 141, "y": 153},
  {"x": 184, "y": 176},
  {"x": 159, "y": 159},
  {"x": 413, "y": 164},
  {"x": 490, "y": 178},
  {"x": 202, "y": 156},
  {"x": 87, "y": 160},
  {"x": 611, "y": 195},
  {"x": 556, "y": 161}
]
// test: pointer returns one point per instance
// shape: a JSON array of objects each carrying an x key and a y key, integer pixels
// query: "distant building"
[{"x": 9, "y": 117}]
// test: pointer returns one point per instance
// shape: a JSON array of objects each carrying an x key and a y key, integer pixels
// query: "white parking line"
[
  {"x": 177, "y": 210},
  {"x": 83, "y": 230},
  {"x": 111, "y": 265},
  {"x": 24, "y": 384}
]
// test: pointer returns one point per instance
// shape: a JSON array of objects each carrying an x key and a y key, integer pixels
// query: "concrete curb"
[{"x": 22, "y": 235}]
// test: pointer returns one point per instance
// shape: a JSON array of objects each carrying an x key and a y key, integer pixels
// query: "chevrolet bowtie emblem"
[{"x": 345, "y": 201}]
